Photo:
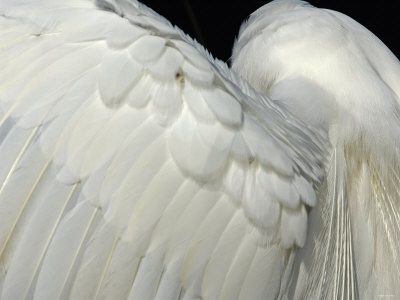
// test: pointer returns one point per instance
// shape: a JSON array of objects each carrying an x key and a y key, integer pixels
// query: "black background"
[{"x": 216, "y": 23}]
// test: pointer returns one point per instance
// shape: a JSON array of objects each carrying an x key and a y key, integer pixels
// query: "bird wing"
[{"x": 134, "y": 165}]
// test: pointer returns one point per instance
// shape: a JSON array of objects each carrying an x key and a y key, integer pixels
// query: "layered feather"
[
  {"x": 136, "y": 166},
  {"x": 336, "y": 75}
]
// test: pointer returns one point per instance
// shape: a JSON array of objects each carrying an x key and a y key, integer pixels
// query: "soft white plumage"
[{"x": 135, "y": 166}]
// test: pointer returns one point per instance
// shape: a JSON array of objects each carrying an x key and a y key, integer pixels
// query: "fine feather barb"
[
  {"x": 74, "y": 231},
  {"x": 104, "y": 271},
  {"x": 69, "y": 198},
  {"x": 32, "y": 190},
  {"x": 18, "y": 158},
  {"x": 35, "y": 241},
  {"x": 394, "y": 207},
  {"x": 389, "y": 217},
  {"x": 138, "y": 265},
  {"x": 41, "y": 174},
  {"x": 86, "y": 231},
  {"x": 332, "y": 270}
]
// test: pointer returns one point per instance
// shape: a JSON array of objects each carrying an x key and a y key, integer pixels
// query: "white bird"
[{"x": 136, "y": 166}]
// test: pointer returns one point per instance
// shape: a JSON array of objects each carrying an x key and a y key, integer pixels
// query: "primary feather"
[{"x": 134, "y": 165}]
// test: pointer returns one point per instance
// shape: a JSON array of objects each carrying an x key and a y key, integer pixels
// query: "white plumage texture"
[{"x": 135, "y": 166}]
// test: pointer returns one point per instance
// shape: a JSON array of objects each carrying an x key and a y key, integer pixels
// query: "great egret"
[{"x": 134, "y": 165}]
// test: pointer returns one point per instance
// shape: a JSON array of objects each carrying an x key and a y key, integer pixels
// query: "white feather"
[
  {"x": 117, "y": 75},
  {"x": 336, "y": 75},
  {"x": 147, "y": 48},
  {"x": 134, "y": 165},
  {"x": 63, "y": 252}
]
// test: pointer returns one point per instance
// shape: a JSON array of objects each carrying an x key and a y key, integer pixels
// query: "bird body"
[
  {"x": 136, "y": 166},
  {"x": 333, "y": 53},
  {"x": 336, "y": 75}
]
